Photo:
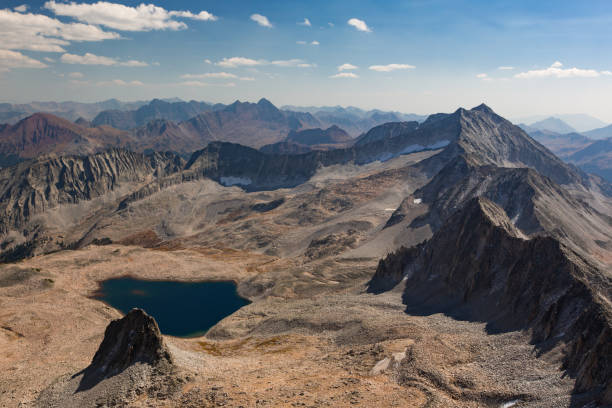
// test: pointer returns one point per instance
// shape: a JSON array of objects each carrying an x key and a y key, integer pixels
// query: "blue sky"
[{"x": 411, "y": 56}]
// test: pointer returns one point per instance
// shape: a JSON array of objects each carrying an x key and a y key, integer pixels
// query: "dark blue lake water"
[{"x": 182, "y": 309}]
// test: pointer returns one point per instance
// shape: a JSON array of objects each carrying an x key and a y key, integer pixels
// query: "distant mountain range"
[
  {"x": 579, "y": 121},
  {"x": 13, "y": 113}
]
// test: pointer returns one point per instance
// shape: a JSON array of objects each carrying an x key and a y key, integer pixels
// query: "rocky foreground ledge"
[{"x": 132, "y": 360}]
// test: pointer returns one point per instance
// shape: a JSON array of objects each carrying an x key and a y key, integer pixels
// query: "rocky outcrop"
[
  {"x": 135, "y": 338},
  {"x": 132, "y": 363},
  {"x": 478, "y": 266}
]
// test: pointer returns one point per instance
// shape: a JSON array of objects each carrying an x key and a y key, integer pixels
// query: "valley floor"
[{"x": 320, "y": 340}]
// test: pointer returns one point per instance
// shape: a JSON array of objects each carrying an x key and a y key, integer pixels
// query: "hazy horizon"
[{"x": 521, "y": 58}]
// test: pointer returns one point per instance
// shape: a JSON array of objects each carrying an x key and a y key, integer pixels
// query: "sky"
[{"x": 416, "y": 56}]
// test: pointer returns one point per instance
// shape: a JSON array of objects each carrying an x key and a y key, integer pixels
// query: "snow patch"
[
  {"x": 235, "y": 181},
  {"x": 417, "y": 201},
  {"x": 509, "y": 404}
]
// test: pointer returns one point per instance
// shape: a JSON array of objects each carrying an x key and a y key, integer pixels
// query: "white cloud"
[
  {"x": 133, "y": 63},
  {"x": 315, "y": 43},
  {"x": 13, "y": 59},
  {"x": 235, "y": 62},
  {"x": 505, "y": 68},
  {"x": 345, "y": 75},
  {"x": 49, "y": 59},
  {"x": 261, "y": 20},
  {"x": 246, "y": 78},
  {"x": 199, "y": 83},
  {"x": 202, "y": 15},
  {"x": 145, "y": 17},
  {"x": 330, "y": 24},
  {"x": 120, "y": 82},
  {"x": 606, "y": 73},
  {"x": 22, "y": 9},
  {"x": 222, "y": 75},
  {"x": 306, "y": 23},
  {"x": 37, "y": 32},
  {"x": 556, "y": 70},
  {"x": 208, "y": 61},
  {"x": 92, "y": 59},
  {"x": 390, "y": 67},
  {"x": 75, "y": 75},
  {"x": 484, "y": 77},
  {"x": 301, "y": 42},
  {"x": 292, "y": 63},
  {"x": 359, "y": 25},
  {"x": 347, "y": 67}
]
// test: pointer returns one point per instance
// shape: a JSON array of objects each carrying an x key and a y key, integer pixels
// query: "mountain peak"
[
  {"x": 483, "y": 108},
  {"x": 265, "y": 102}
]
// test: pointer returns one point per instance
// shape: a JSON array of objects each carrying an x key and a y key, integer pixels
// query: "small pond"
[{"x": 182, "y": 309}]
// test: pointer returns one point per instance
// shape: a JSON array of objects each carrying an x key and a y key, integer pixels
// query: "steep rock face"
[
  {"x": 386, "y": 131},
  {"x": 133, "y": 339},
  {"x": 35, "y": 186},
  {"x": 478, "y": 267},
  {"x": 535, "y": 204}
]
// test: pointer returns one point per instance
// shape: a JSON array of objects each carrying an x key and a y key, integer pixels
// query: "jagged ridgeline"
[{"x": 513, "y": 236}]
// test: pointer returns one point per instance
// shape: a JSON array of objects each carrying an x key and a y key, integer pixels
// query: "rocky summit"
[{"x": 132, "y": 339}]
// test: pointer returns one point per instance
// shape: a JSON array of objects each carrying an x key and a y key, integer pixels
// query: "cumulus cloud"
[
  {"x": 75, "y": 75},
  {"x": 222, "y": 75},
  {"x": 13, "y": 59},
  {"x": 92, "y": 59},
  {"x": 315, "y": 43},
  {"x": 200, "y": 83},
  {"x": 345, "y": 75},
  {"x": 120, "y": 82},
  {"x": 22, "y": 9},
  {"x": 292, "y": 63},
  {"x": 301, "y": 42},
  {"x": 37, "y": 32},
  {"x": 144, "y": 17},
  {"x": 359, "y": 25},
  {"x": 505, "y": 68},
  {"x": 236, "y": 62},
  {"x": 347, "y": 67},
  {"x": 261, "y": 20},
  {"x": 556, "y": 70},
  {"x": 390, "y": 67},
  {"x": 306, "y": 23}
]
